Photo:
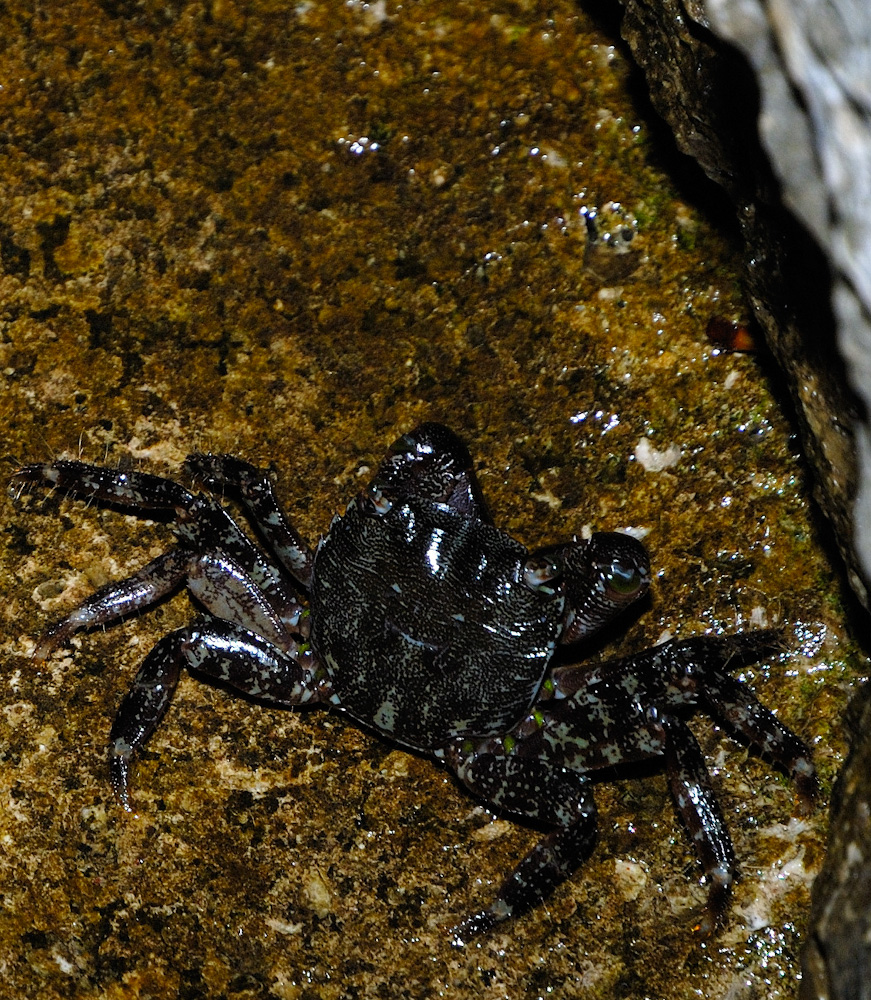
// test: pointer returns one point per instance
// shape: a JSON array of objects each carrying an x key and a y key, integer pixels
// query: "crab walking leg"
[
  {"x": 206, "y": 527},
  {"x": 202, "y": 524},
  {"x": 223, "y": 652},
  {"x": 697, "y": 668},
  {"x": 143, "y": 707},
  {"x": 532, "y": 789},
  {"x": 687, "y": 674},
  {"x": 232, "y": 655},
  {"x": 127, "y": 489},
  {"x": 731, "y": 701},
  {"x": 118, "y": 599},
  {"x": 696, "y": 802},
  {"x": 255, "y": 490},
  {"x": 215, "y": 579},
  {"x": 226, "y": 590}
]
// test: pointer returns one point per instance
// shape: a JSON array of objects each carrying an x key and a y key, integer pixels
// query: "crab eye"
[
  {"x": 624, "y": 579},
  {"x": 540, "y": 570}
]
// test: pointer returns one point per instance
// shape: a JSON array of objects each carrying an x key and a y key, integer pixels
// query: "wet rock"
[
  {"x": 709, "y": 94},
  {"x": 782, "y": 121},
  {"x": 837, "y": 958},
  {"x": 813, "y": 66}
]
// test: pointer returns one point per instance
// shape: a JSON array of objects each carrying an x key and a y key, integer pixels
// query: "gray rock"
[
  {"x": 708, "y": 94},
  {"x": 812, "y": 60}
]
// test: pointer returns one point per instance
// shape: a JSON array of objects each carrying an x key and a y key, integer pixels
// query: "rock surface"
[
  {"x": 292, "y": 231},
  {"x": 812, "y": 63}
]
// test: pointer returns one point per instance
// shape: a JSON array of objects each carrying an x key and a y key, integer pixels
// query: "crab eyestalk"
[{"x": 603, "y": 575}]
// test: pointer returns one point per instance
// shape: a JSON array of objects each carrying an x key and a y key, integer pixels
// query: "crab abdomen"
[{"x": 421, "y": 616}]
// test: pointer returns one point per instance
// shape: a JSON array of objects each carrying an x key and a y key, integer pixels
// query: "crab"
[{"x": 433, "y": 628}]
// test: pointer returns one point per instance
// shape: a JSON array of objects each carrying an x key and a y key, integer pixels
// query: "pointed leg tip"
[
  {"x": 471, "y": 927},
  {"x": 805, "y": 804},
  {"x": 706, "y": 926},
  {"x": 50, "y": 640},
  {"x": 807, "y": 788},
  {"x": 22, "y": 478},
  {"x": 44, "y": 648},
  {"x": 710, "y": 919},
  {"x": 126, "y": 805},
  {"x": 119, "y": 767},
  {"x": 122, "y": 797},
  {"x": 720, "y": 880}
]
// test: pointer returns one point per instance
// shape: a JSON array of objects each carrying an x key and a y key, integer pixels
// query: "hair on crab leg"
[{"x": 127, "y": 489}]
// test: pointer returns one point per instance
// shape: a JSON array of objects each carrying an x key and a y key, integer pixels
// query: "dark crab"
[{"x": 431, "y": 626}]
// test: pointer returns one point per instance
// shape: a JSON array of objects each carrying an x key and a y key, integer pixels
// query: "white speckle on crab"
[
  {"x": 804, "y": 767},
  {"x": 433, "y": 551},
  {"x": 649, "y": 744},
  {"x": 121, "y": 748},
  {"x": 721, "y": 875},
  {"x": 630, "y": 683},
  {"x": 605, "y": 718},
  {"x": 408, "y": 521},
  {"x": 561, "y": 734},
  {"x": 385, "y": 717},
  {"x": 379, "y": 501}
]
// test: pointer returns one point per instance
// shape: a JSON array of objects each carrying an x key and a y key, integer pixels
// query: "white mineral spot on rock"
[
  {"x": 630, "y": 876},
  {"x": 318, "y": 893},
  {"x": 653, "y": 460}
]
